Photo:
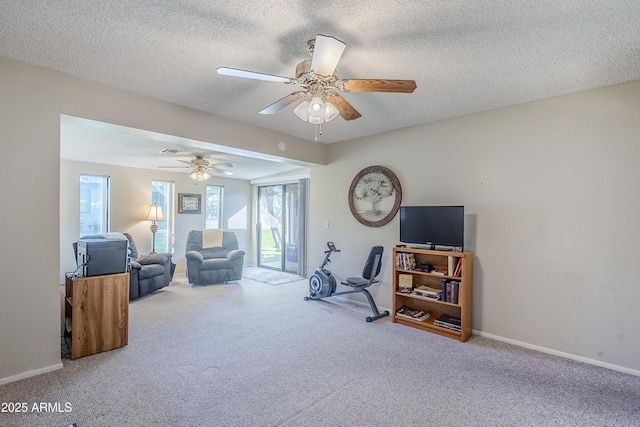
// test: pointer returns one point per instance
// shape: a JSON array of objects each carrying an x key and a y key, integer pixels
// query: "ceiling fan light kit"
[
  {"x": 200, "y": 167},
  {"x": 199, "y": 175},
  {"x": 318, "y": 79}
]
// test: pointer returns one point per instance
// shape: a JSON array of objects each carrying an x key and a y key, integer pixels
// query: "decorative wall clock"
[
  {"x": 374, "y": 196},
  {"x": 189, "y": 203}
]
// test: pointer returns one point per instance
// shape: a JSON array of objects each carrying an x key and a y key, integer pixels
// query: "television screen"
[{"x": 432, "y": 225}]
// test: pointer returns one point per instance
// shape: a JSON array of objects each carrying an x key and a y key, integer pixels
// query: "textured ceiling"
[{"x": 465, "y": 56}]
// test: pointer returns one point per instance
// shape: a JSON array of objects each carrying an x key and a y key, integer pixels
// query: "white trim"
[
  {"x": 31, "y": 373},
  {"x": 560, "y": 354},
  {"x": 282, "y": 179}
]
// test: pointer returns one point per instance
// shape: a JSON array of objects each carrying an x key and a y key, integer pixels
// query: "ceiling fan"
[
  {"x": 201, "y": 166},
  {"x": 318, "y": 79}
]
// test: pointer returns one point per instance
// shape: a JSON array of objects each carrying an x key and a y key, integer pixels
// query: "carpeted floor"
[
  {"x": 246, "y": 354},
  {"x": 270, "y": 277}
]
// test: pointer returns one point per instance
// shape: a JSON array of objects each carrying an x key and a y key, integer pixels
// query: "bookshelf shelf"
[{"x": 435, "y": 262}]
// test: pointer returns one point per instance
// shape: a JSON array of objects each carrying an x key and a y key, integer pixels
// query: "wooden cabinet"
[
  {"x": 96, "y": 313},
  {"x": 429, "y": 269}
]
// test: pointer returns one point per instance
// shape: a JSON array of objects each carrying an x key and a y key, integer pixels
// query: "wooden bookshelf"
[{"x": 432, "y": 276}]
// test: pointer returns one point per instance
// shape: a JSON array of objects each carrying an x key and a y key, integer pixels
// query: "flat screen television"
[{"x": 432, "y": 226}]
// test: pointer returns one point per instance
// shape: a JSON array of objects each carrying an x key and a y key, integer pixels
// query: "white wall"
[
  {"x": 31, "y": 102},
  {"x": 552, "y": 207},
  {"x": 130, "y": 199},
  {"x": 552, "y": 187}
]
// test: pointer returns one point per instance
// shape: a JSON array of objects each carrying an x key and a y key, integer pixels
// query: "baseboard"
[
  {"x": 31, "y": 373},
  {"x": 560, "y": 354}
]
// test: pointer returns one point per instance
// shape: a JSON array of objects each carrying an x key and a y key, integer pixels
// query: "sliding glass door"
[{"x": 279, "y": 227}]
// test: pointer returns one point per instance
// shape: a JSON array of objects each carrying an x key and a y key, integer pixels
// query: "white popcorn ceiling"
[{"x": 465, "y": 56}]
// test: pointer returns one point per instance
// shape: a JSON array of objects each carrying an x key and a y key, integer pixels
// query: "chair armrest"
[
  {"x": 235, "y": 253},
  {"x": 152, "y": 259},
  {"x": 194, "y": 256},
  {"x": 135, "y": 265}
]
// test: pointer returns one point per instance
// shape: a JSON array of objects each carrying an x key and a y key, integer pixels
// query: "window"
[
  {"x": 213, "y": 206},
  {"x": 94, "y": 204},
  {"x": 162, "y": 194}
]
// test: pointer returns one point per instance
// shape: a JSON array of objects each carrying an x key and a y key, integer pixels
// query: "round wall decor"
[{"x": 374, "y": 196}]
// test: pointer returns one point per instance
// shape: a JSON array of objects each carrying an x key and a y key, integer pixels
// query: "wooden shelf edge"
[
  {"x": 426, "y": 273},
  {"x": 420, "y": 297},
  {"x": 430, "y": 327}
]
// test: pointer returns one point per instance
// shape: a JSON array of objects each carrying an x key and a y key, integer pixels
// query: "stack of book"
[
  {"x": 449, "y": 322},
  {"x": 411, "y": 313},
  {"x": 426, "y": 291}
]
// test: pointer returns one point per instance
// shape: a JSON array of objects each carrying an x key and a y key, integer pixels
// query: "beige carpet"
[{"x": 246, "y": 354}]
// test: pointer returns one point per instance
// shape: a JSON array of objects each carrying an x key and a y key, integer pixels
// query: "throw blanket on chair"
[{"x": 211, "y": 239}]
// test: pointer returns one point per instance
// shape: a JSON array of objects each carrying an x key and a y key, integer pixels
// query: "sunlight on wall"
[{"x": 239, "y": 220}]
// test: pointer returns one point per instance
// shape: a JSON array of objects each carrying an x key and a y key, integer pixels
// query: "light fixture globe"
[
  {"x": 330, "y": 112},
  {"x": 199, "y": 175},
  {"x": 316, "y": 112},
  {"x": 316, "y": 108},
  {"x": 302, "y": 111}
]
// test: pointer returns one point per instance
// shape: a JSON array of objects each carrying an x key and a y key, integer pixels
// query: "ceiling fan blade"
[
  {"x": 184, "y": 161},
  {"x": 222, "y": 165},
  {"x": 235, "y": 72},
  {"x": 287, "y": 100},
  {"x": 326, "y": 55},
  {"x": 174, "y": 167},
  {"x": 358, "y": 85},
  {"x": 345, "y": 109},
  {"x": 222, "y": 171}
]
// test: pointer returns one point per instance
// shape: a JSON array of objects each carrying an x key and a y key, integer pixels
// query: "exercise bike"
[{"x": 322, "y": 284}]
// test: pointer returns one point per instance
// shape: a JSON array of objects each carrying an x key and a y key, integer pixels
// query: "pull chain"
[{"x": 318, "y": 131}]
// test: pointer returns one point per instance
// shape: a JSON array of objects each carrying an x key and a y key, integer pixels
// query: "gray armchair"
[
  {"x": 213, "y": 265},
  {"x": 148, "y": 272}
]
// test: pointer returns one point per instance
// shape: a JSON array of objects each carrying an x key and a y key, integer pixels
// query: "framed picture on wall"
[
  {"x": 374, "y": 196},
  {"x": 189, "y": 203}
]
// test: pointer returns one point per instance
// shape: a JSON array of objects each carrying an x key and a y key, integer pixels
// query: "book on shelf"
[
  {"x": 405, "y": 281},
  {"x": 455, "y": 289},
  {"x": 448, "y": 326},
  {"x": 449, "y": 322},
  {"x": 411, "y": 313},
  {"x": 443, "y": 290},
  {"x": 451, "y": 265},
  {"x": 405, "y": 261},
  {"x": 426, "y": 291},
  {"x": 458, "y": 269}
]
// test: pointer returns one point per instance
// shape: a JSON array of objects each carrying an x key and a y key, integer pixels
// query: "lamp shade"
[
  {"x": 310, "y": 111},
  {"x": 330, "y": 112},
  {"x": 302, "y": 111},
  {"x": 155, "y": 213},
  {"x": 316, "y": 108}
]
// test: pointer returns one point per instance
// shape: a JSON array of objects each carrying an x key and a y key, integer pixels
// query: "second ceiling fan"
[
  {"x": 201, "y": 166},
  {"x": 318, "y": 79}
]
